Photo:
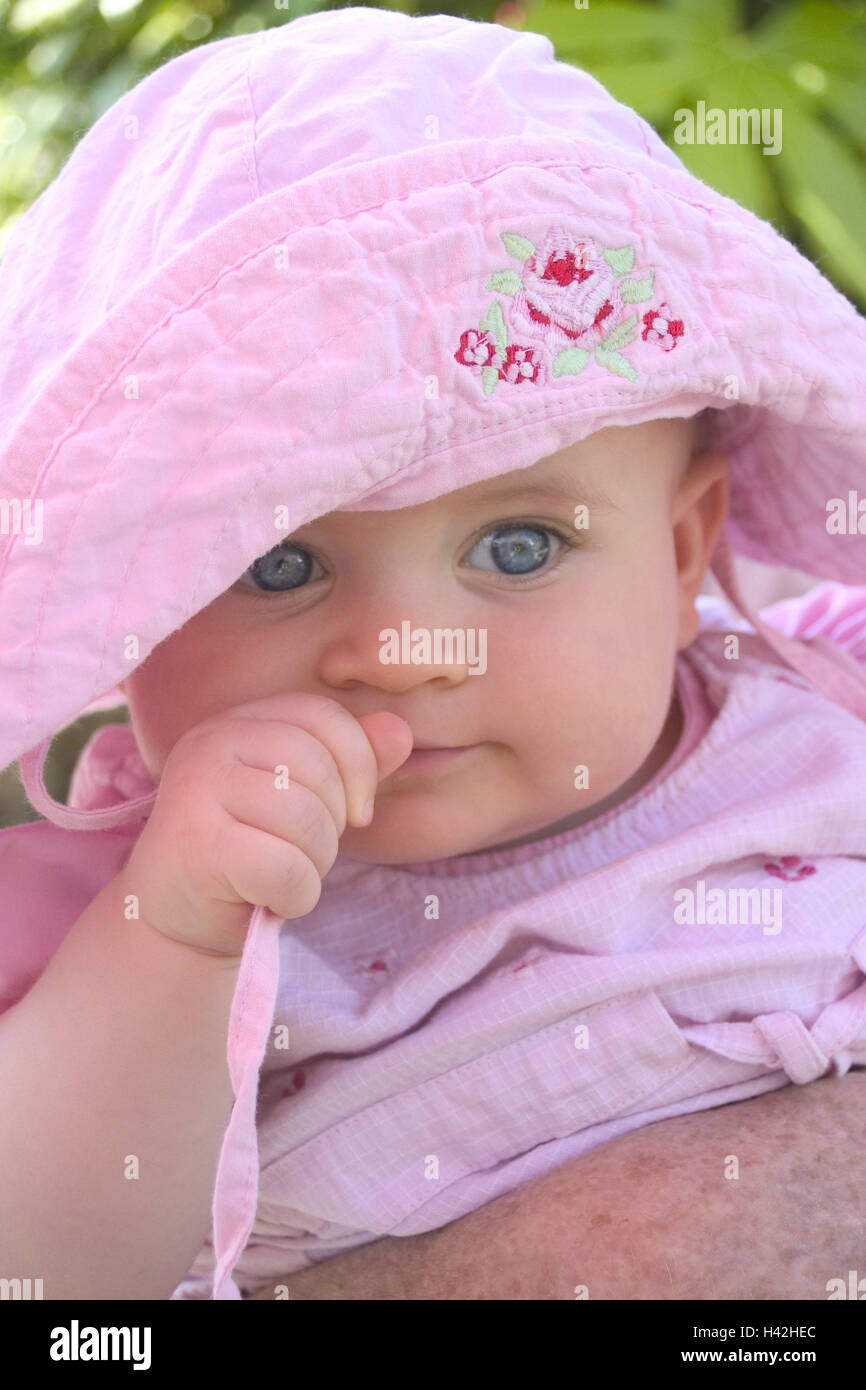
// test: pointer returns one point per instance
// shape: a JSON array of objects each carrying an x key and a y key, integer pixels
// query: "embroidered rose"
[
  {"x": 569, "y": 295},
  {"x": 660, "y": 327},
  {"x": 572, "y": 298}
]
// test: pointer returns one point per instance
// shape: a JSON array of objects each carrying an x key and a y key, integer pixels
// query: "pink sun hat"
[
  {"x": 355, "y": 262},
  {"x": 294, "y": 269}
]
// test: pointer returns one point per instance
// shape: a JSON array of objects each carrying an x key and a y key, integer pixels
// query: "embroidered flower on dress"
[
  {"x": 573, "y": 297},
  {"x": 296, "y": 1082},
  {"x": 791, "y": 867},
  {"x": 376, "y": 966}
]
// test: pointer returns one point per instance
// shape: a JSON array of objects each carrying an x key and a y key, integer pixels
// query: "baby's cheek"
[{"x": 620, "y": 702}]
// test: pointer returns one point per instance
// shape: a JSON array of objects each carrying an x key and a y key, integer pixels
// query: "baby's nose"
[{"x": 399, "y": 656}]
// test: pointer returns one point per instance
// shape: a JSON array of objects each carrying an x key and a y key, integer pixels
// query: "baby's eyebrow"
[{"x": 559, "y": 487}]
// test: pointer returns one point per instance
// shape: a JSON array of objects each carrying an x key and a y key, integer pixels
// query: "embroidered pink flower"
[
  {"x": 660, "y": 328},
  {"x": 297, "y": 1081},
  {"x": 570, "y": 296},
  {"x": 571, "y": 300},
  {"x": 477, "y": 350},
  {"x": 521, "y": 364},
  {"x": 377, "y": 966},
  {"x": 790, "y": 867}
]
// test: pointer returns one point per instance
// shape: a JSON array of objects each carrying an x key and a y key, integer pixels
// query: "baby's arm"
[
  {"x": 651, "y": 1215},
  {"x": 114, "y": 1085},
  {"x": 114, "y": 1098}
]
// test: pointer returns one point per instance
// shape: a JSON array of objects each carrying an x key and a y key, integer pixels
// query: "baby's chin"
[
  {"x": 374, "y": 845},
  {"x": 429, "y": 823},
  {"x": 395, "y": 840}
]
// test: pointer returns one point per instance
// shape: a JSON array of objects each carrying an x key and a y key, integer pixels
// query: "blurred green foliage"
[{"x": 64, "y": 62}]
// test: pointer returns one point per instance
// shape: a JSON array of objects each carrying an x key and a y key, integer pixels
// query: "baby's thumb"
[{"x": 391, "y": 737}]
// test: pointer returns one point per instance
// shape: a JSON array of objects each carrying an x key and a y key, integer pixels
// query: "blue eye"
[
  {"x": 282, "y": 569},
  {"x": 519, "y": 547}
]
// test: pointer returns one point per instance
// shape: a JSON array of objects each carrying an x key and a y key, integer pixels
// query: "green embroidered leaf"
[
  {"x": 619, "y": 259},
  {"x": 615, "y": 363},
  {"x": 504, "y": 282},
  {"x": 518, "y": 246},
  {"x": 623, "y": 334},
  {"x": 489, "y": 378},
  {"x": 635, "y": 291},
  {"x": 495, "y": 323},
  {"x": 570, "y": 362}
]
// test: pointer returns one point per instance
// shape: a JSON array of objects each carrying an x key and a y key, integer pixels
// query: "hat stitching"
[
  {"x": 203, "y": 290},
  {"x": 746, "y": 242},
  {"x": 599, "y": 398}
]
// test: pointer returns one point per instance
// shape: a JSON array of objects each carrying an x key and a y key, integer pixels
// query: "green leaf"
[
  {"x": 615, "y": 363},
  {"x": 824, "y": 186},
  {"x": 519, "y": 246},
  {"x": 570, "y": 362},
  {"x": 495, "y": 323},
  {"x": 619, "y": 259},
  {"x": 707, "y": 19},
  {"x": 489, "y": 378},
  {"x": 623, "y": 334},
  {"x": 604, "y": 25},
  {"x": 845, "y": 101},
  {"x": 636, "y": 291},
  {"x": 826, "y": 35},
  {"x": 504, "y": 282},
  {"x": 654, "y": 88}
]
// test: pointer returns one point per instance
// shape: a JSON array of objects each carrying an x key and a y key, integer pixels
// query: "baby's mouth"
[{"x": 432, "y": 759}]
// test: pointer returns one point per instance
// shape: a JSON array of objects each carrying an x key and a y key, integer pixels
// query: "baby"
[
  {"x": 362, "y": 370},
  {"x": 582, "y": 627}
]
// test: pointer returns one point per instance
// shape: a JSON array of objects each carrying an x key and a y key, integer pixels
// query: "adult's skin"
[{"x": 652, "y": 1215}]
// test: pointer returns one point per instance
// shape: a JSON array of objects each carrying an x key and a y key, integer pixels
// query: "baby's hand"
[{"x": 228, "y": 831}]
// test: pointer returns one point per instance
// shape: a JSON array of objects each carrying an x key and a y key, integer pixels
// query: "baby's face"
[{"x": 581, "y": 624}]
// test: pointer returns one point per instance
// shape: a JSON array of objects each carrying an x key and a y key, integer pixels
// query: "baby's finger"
[
  {"x": 268, "y": 871},
  {"x": 291, "y": 757},
  {"x": 351, "y": 745},
  {"x": 292, "y": 813}
]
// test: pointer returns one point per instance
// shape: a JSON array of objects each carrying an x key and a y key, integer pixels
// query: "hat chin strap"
[
  {"x": 828, "y": 668},
  {"x": 30, "y": 768}
]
